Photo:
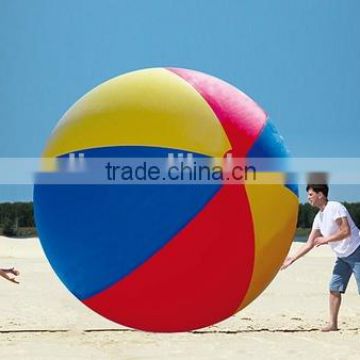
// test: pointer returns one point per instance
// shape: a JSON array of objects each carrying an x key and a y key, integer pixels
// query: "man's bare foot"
[{"x": 330, "y": 328}]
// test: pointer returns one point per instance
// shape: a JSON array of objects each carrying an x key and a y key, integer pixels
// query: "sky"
[{"x": 300, "y": 60}]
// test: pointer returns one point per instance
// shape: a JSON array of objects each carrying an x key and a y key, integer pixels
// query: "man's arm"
[
  {"x": 315, "y": 233},
  {"x": 342, "y": 233}
]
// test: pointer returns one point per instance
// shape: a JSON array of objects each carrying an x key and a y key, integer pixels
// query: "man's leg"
[
  {"x": 339, "y": 281},
  {"x": 354, "y": 262},
  {"x": 334, "y": 307}
]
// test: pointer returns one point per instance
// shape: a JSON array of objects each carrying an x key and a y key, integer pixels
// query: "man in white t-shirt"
[{"x": 333, "y": 225}]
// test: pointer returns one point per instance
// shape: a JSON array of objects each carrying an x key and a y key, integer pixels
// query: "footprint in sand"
[{"x": 246, "y": 319}]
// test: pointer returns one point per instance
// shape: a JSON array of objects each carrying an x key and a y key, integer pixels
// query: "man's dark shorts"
[{"x": 343, "y": 269}]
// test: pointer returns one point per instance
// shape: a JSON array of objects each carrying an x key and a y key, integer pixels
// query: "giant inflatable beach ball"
[{"x": 171, "y": 257}]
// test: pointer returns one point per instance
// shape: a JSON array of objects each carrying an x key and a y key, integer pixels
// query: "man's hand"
[
  {"x": 12, "y": 279},
  {"x": 13, "y": 272},
  {"x": 287, "y": 262},
  {"x": 320, "y": 240}
]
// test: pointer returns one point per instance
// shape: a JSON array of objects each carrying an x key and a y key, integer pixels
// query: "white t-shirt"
[{"x": 325, "y": 221}]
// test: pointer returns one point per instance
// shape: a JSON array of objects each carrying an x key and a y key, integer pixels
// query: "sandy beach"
[{"x": 40, "y": 319}]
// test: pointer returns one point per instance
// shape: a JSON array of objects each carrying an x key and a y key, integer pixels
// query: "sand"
[{"x": 40, "y": 319}]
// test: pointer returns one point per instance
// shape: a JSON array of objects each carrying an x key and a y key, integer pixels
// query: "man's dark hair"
[{"x": 324, "y": 188}]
